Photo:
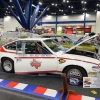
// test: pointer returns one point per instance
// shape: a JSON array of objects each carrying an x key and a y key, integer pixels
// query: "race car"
[
  {"x": 44, "y": 55},
  {"x": 67, "y": 42}
]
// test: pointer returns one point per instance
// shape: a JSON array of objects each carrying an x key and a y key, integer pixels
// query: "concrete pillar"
[{"x": 98, "y": 22}]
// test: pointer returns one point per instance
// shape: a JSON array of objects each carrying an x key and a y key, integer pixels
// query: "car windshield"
[{"x": 53, "y": 45}]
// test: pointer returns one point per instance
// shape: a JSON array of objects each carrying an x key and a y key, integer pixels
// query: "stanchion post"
[{"x": 65, "y": 89}]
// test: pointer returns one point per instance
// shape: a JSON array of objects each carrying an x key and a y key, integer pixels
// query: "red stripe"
[
  {"x": 38, "y": 72},
  {"x": 12, "y": 84},
  {"x": 74, "y": 97},
  {"x": 3, "y": 50},
  {"x": 79, "y": 60},
  {"x": 40, "y": 90},
  {"x": 33, "y": 57}
]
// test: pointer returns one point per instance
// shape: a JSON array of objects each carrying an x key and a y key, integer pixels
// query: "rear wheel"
[
  {"x": 7, "y": 65},
  {"x": 75, "y": 71}
]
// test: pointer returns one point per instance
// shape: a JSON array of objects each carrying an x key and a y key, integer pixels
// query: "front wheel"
[
  {"x": 7, "y": 65},
  {"x": 73, "y": 71}
]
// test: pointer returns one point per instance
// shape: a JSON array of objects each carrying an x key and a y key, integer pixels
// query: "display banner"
[
  {"x": 1, "y": 22},
  {"x": 91, "y": 82}
]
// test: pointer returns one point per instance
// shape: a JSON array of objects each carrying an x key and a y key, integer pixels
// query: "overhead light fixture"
[
  {"x": 52, "y": 4},
  {"x": 71, "y": 6},
  {"x": 85, "y": 9},
  {"x": 67, "y": 1},
  {"x": 72, "y": 11},
  {"x": 55, "y": 4},
  {"x": 40, "y": 3},
  {"x": 95, "y": 10},
  {"x": 85, "y": 2},
  {"x": 33, "y": 5},
  {"x": 64, "y": 14},
  {"x": 97, "y": 4},
  {"x": 10, "y": 0},
  {"x": 82, "y": 1},
  {"x": 68, "y": 6},
  {"x": 64, "y": 0}
]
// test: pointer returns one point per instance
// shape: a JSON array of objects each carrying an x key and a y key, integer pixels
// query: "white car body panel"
[{"x": 48, "y": 62}]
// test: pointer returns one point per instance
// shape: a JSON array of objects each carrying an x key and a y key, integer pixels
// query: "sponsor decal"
[
  {"x": 74, "y": 81},
  {"x": 35, "y": 63},
  {"x": 95, "y": 68},
  {"x": 92, "y": 73},
  {"x": 91, "y": 82},
  {"x": 62, "y": 61}
]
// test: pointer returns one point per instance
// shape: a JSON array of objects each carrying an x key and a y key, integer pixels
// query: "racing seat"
[{"x": 38, "y": 48}]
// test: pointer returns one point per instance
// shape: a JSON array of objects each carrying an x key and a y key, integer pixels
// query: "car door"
[{"x": 27, "y": 61}]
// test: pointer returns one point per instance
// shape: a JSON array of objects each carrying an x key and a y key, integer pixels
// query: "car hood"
[{"x": 84, "y": 39}]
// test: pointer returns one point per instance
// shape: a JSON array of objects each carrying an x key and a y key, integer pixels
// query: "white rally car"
[{"x": 20, "y": 57}]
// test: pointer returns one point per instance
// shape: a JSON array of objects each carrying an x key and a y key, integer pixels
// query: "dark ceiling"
[{"x": 61, "y": 7}]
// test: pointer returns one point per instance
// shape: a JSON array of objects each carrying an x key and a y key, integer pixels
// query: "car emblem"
[{"x": 35, "y": 64}]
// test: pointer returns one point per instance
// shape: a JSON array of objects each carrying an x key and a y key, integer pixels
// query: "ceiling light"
[
  {"x": 40, "y": 3},
  {"x": 52, "y": 4},
  {"x": 85, "y": 9},
  {"x": 64, "y": 0},
  {"x": 97, "y": 4},
  {"x": 64, "y": 14},
  {"x": 61, "y": 10},
  {"x": 95, "y": 10},
  {"x": 33, "y": 5},
  {"x": 82, "y": 1},
  {"x": 67, "y": 1},
  {"x": 85, "y": 2},
  {"x": 55, "y": 4},
  {"x": 69, "y": 6}
]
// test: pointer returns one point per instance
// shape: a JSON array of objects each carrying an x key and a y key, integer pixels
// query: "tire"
[
  {"x": 80, "y": 72},
  {"x": 7, "y": 65}
]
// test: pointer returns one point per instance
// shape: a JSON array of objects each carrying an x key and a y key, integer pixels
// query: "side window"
[
  {"x": 29, "y": 47},
  {"x": 35, "y": 47},
  {"x": 11, "y": 46}
]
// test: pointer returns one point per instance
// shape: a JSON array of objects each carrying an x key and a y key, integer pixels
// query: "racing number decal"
[{"x": 35, "y": 63}]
